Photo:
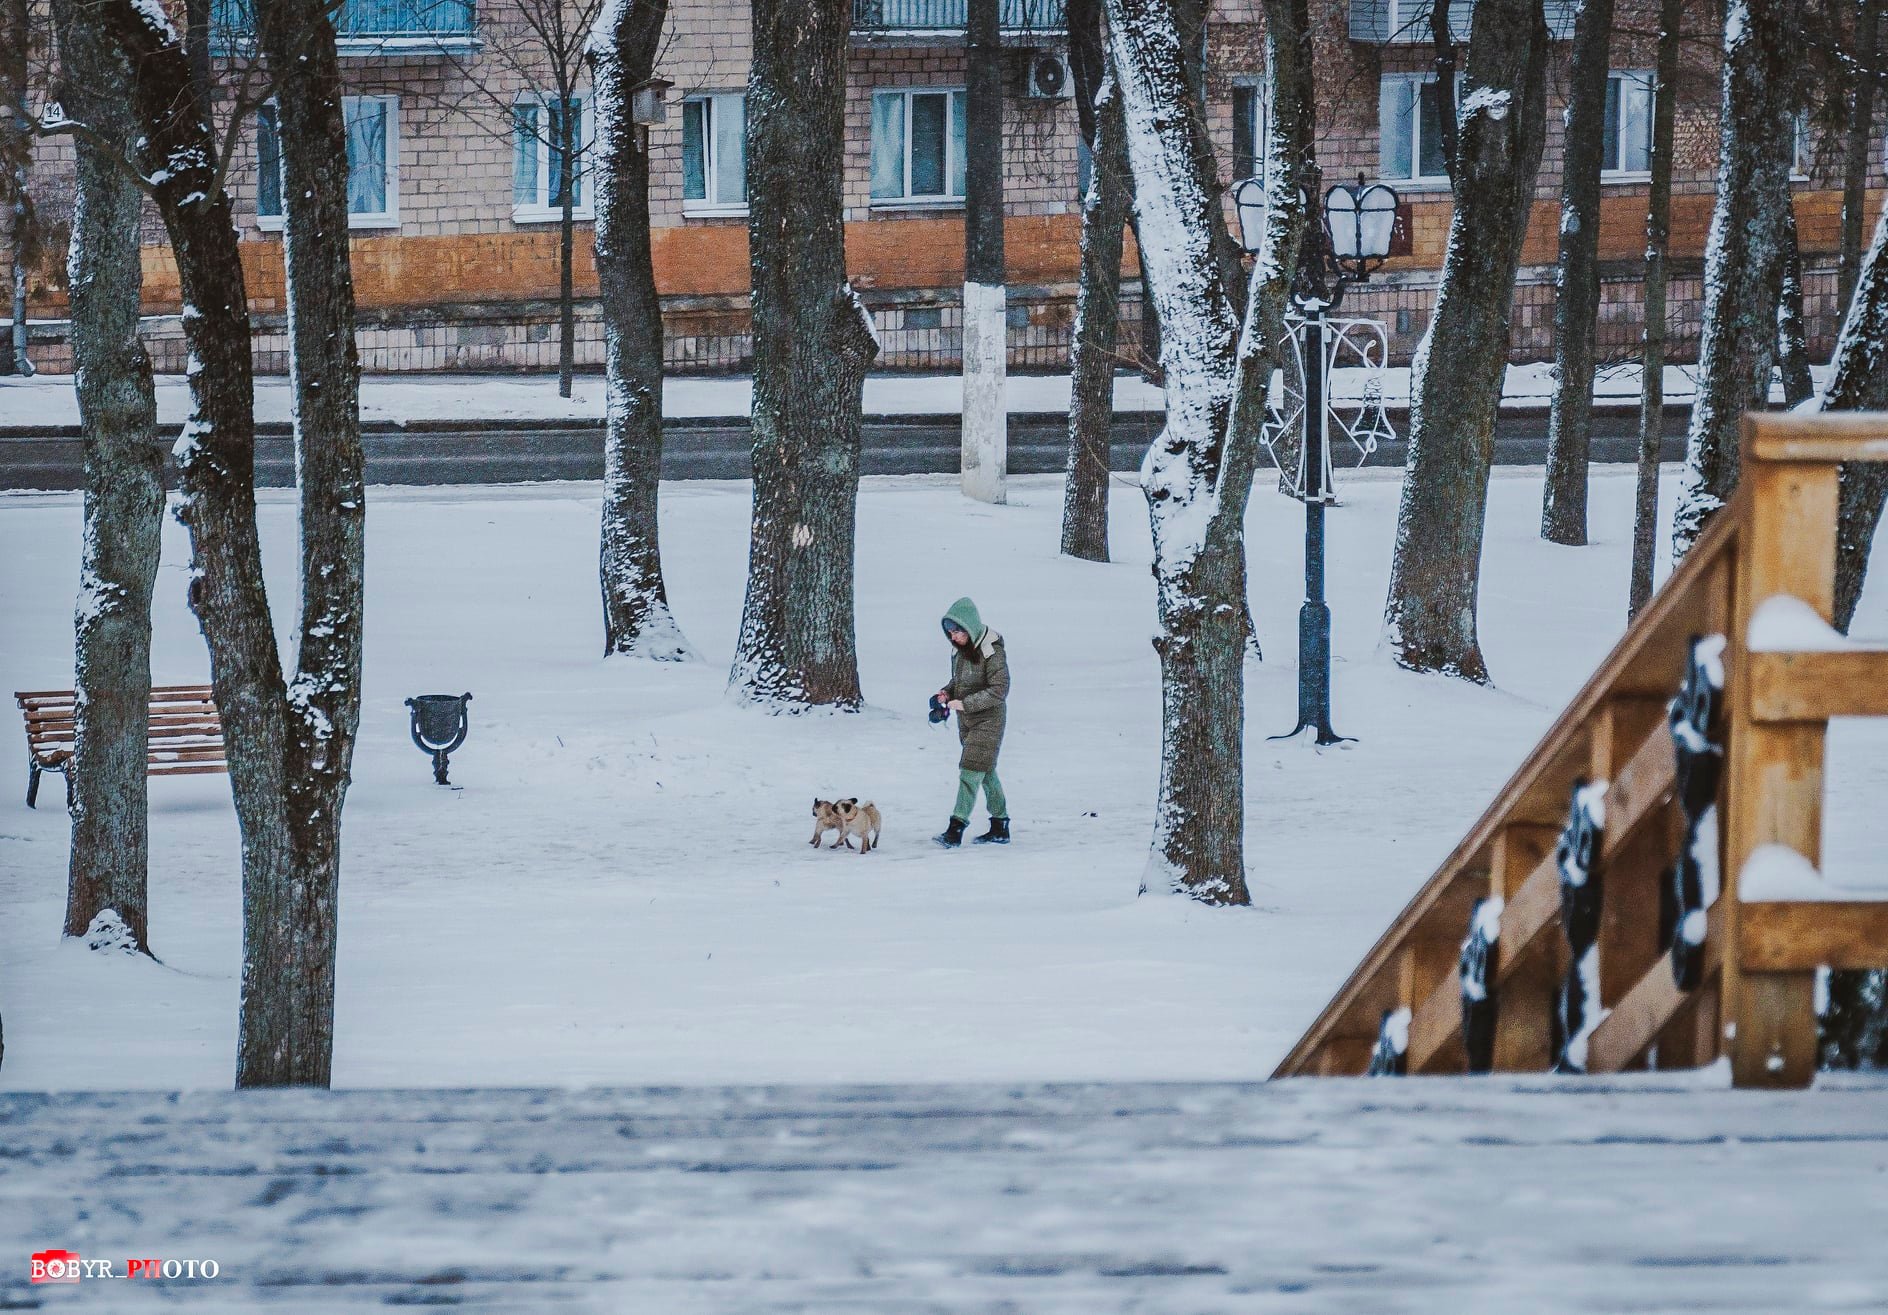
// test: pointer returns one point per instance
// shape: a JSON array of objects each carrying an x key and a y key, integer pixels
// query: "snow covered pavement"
[{"x": 1475, "y": 1197}]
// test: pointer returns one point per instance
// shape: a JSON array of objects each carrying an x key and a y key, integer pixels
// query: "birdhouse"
[{"x": 648, "y": 103}]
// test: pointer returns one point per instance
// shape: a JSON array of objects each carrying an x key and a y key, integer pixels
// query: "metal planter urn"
[{"x": 439, "y": 726}]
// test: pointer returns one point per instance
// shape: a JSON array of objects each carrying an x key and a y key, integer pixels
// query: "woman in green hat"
[{"x": 978, "y": 693}]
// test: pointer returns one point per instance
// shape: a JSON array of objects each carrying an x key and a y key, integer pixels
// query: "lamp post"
[{"x": 1350, "y": 240}]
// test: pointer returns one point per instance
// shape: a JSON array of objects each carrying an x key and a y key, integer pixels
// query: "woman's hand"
[{"x": 957, "y": 705}]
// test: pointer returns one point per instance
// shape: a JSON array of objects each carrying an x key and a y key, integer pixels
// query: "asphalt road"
[{"x": 512, "y": 453}]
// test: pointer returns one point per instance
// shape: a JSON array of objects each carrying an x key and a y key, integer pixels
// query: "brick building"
[{"x": 454, "y": 189}]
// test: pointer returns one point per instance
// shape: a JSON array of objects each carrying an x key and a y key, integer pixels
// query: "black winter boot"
[
  {"x": 998, "y": 834},
  {"x": 953, "y": 834}
]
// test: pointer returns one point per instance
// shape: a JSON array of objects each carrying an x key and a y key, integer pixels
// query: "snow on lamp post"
[{"x": 1357, "y": 223}]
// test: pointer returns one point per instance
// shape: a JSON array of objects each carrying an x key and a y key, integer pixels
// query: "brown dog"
[
  {"x": 858, "y": 819},
  {"x": 826, "y": 818}
]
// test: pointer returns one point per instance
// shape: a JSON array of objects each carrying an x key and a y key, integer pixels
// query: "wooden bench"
[{"x": 186, "y": 735}]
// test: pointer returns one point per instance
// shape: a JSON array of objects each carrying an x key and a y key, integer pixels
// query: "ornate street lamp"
[
  {"x": 438, "y": 726},
  {"x": 1351, "y": 239}
]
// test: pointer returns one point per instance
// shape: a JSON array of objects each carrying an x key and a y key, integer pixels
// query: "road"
[{"x": 512, "y": 453}]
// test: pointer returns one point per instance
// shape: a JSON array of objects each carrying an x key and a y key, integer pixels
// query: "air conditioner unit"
[{"x": 1048, "y": 76}]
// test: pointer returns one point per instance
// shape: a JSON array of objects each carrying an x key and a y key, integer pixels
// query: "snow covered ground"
[
  {"x": 48, "y": 400},
  {"x": 622, "y": 892}
]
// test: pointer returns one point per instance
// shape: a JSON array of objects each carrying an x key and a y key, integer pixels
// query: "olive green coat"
[{"x": 980, "y": 676}]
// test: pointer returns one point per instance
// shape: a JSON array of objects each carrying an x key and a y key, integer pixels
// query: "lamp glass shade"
[
  {"x": 1340, "y": 221},
  {"x": 1248, "y": 200},
  {"x": 1376, "y": 221}
]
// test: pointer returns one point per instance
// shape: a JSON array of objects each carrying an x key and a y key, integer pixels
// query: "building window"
[
  {"x": 1409, "y": 117},
  {"x": 1803, "y": 147},
  {"x": 373, "y": 163},
  {"x": 1248, "y": 130},
  {"x": 918, "y": 145},
  {"x": 714, "y": 153},
  {"x": 1626, "y": 140},
  {"x": 538, "y": 163}
]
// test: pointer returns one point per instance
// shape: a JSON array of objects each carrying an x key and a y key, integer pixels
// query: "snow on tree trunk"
[
  {"x": 1577, "y": 279},
  {"x": 1744, "y": 253},
  {"x": 1092, "y": 355},
  {"x": 1658, "y": 238},
  {"x": 1792, "y": 335},
  {"x": 290, "y": 745},
  {"x": 1856, "y": 155},
  {"x": 1860, "y": 383},
  {"x": 1457, "y": 373},
  {"x": 1197, "y": 475},
  {"x": 289, "y": 947},
  {"x": 124, "y": 494},
  {"x": 636, "y": 616},
  {"x": 813, "y": 342}
]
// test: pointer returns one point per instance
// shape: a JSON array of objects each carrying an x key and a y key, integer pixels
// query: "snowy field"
[{"x": 622, "y": 892}]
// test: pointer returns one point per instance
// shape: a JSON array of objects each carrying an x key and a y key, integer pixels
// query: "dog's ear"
[{"x": 850, "y": 803}]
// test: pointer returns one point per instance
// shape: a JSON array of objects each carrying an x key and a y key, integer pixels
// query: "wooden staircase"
[{"x": 1700, "y": 735}]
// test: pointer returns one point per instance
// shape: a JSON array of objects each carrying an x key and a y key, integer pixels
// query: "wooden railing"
[{"x": 1585, "y": 922}]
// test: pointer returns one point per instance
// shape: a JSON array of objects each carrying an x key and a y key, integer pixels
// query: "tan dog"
[
  {"x": 826, "y": 818},
  {"x": 858, "y": 819}
]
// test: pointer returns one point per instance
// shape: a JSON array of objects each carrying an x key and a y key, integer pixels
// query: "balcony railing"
[
  {"x": 366, "y": 27},
  {"x": 923, "y": 17}
]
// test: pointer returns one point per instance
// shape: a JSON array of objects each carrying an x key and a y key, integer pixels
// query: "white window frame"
[
  {"x": 545, "y": 209},
  {"x": 907, "y": 201},
  {"x": 1415, "y": 181},
  {"x": 711, "y": 206},
  {"x": 1412, "y": 29},
  {"x": 1648, "y": 80},
  {"x": 1802, "y": 148},
  {"x": 385, "y": 219},
  {"x": 1261, "y": 129}
]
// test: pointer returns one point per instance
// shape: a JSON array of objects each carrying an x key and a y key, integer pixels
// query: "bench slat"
[{"x": 184, "y": 732}]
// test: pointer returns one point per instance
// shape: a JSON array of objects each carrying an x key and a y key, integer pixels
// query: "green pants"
[{"x": 968, "y": 783}]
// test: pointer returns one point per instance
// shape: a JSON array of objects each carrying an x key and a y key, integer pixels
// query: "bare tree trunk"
[
  {"x": 813, "y": 342},
  {"x": 1457, "y": 374},
  {"x": 1745, "y": 251},
  {"x": 16, "y": 161},
  {"x": 1856, "y": 1022},
  {"x": 290, "y": 745},
  {"x": 289, "y": 946},
  {"x": 1792, "y": 335},
  {"x": 1577, "y": 280},
  {"x": 1856, "y": 154},
  {"x": 124, "y": 493},
  {"x": 636, "y": 616},
  {"x": 1198, "y": 475},
  {"x": 568, "y": 127},
  {"x": 1098, "y": 294},
  {"x": 1658, "y": 238}
]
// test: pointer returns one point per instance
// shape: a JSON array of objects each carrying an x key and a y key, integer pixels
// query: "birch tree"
[
  {"x": 1577, "y": 278},
  {"x": 124, "y": 492},
  {"x": 1197, "y": 475},
  {"x": 290, "y": 742},
  {"x": 1092, "y": 355},
  {"x": 813, "y": 342},
  {"x": 636, "y": 616},
  {"x": 1456, "y": 377},
  {"x": 1744, "y": 253}
]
